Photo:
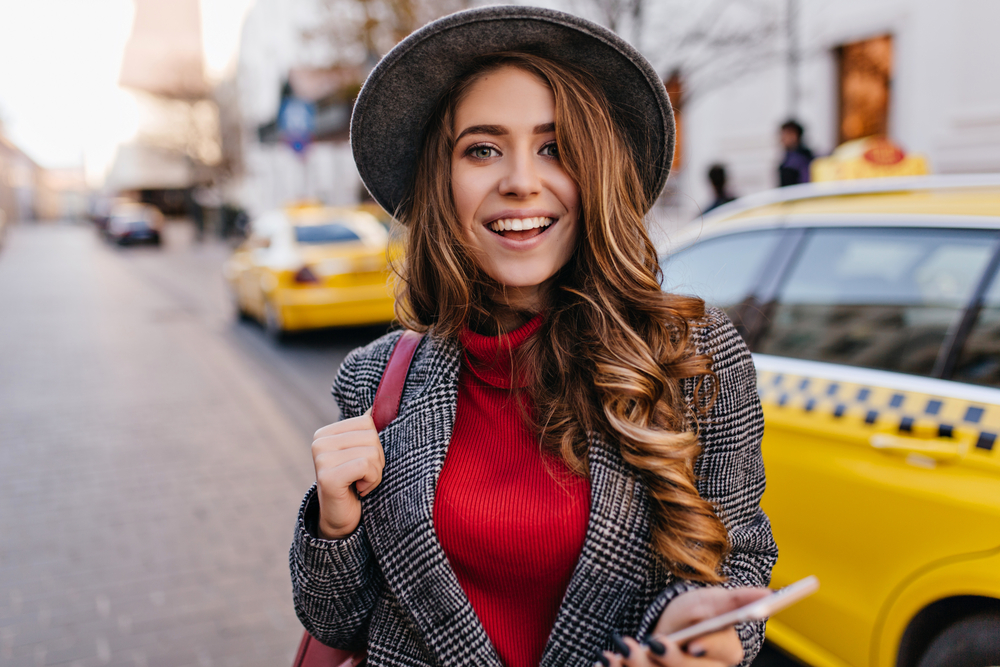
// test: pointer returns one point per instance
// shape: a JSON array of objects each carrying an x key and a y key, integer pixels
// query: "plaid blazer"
[{"x": 388, "y": 586}]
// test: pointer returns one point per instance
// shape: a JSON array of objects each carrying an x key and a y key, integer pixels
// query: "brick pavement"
[{"x": 148, "y": 480}]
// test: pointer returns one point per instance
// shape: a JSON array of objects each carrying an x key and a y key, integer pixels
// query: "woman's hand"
[
  {"x": 349, "y": 459},
  {"x": 719, "y": 649}
]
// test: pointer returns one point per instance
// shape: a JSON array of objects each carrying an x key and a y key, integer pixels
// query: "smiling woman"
[{"x": 576, "y": 455}]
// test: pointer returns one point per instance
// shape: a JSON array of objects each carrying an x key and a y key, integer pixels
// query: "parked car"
[
  {"x": 132, "y": 222},
  {"x": 872, "y": 309},
  {"x": 311, "y": 267}
]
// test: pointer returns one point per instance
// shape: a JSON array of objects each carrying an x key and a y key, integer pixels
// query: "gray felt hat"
[{"x": 401, "y": 94}]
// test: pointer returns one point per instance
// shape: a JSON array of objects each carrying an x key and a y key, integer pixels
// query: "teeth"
[{"x": 519, "y": 224}]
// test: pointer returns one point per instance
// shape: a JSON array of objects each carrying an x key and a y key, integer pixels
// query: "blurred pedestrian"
[
  {"x": 717, "y": 177},
  {"x": 545, "y": 489},
  {"x": 794, "y": 168}
]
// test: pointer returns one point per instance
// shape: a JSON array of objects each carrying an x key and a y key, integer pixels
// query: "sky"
[{"x": 59, "y": 65}]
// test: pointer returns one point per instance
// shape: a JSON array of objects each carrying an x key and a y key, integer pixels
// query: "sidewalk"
[{"x": 148, "y": 483}]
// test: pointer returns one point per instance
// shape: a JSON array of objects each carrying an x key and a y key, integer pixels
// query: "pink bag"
[{"x": 313, "y": 653}]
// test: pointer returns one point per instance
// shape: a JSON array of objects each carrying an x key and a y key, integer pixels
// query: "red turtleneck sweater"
[{"x": 511, "y": 520}]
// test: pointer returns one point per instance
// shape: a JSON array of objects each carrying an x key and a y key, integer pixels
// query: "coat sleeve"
[
  {"x": 730, "y": 472},
  {"x": 335, "y": 582}
]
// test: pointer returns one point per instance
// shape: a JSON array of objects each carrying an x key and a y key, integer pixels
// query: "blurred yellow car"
[
  {"x": 873, "y": 312},
  {"x": 311, "y": 267}
]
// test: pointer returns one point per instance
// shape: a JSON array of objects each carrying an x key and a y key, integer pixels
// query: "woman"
[{"x": 576, "y": 461}]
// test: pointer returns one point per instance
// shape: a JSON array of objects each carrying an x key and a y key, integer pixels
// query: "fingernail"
[
  {"x": 602, "y": 660},
  {"x": 620, "y": 644},
  {"x": 697, "y": 652},
  {"x": 655, "y": 646}
]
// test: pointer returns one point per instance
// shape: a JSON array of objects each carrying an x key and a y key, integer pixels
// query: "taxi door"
[{"x": 875, "y": 470}]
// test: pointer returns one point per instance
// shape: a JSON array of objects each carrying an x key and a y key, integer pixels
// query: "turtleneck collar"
[{"x": 491, "y": 358}]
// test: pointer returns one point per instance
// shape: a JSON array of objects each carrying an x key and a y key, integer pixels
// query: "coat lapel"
[
  {"x": 614, "y": 563},
  {"x": 398, "y": 514}
]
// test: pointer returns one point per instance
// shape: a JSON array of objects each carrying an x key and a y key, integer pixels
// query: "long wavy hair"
[{"x": 613, "y": 348}]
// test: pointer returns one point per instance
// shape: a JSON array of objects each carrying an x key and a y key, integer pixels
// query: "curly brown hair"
[{"x": 614, "y": 347}]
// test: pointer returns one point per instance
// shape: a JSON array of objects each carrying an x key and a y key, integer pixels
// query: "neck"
[{"x": 512, "y": 307}]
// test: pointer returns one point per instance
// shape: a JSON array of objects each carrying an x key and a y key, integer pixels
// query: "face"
[
  {"x": 789, "y": 138},
  {"x": 518, "y": 207}
]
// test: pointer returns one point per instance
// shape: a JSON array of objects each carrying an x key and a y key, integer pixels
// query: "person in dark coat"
[
  {"x": 717, "y": 177},
  {"x": 575, "y": 468},
  {"x": 794, "y": 168}
]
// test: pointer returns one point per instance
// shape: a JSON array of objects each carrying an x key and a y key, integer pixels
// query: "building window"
[
  {"x": 676, "y": 93},
  {"x": 865, "y": 83}
]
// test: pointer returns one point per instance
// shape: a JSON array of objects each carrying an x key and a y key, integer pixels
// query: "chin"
[{"x": 522, "y": 279}]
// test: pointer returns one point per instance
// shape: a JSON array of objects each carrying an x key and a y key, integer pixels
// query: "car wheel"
[
  {"x": 272, "y": 323},
  {"x": 970, "y": 642},
  {"x": 238, "y": 310}
]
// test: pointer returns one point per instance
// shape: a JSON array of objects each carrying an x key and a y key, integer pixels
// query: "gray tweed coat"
[{"x": 389, "y": 585}]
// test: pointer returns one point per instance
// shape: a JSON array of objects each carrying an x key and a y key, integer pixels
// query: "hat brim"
[{"x": 395, "y": 105}]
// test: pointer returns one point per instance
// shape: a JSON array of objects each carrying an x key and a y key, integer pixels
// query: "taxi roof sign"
[{"x": 870, "y": 157}]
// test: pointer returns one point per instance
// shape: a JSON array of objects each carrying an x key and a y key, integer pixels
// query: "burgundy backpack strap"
[
  {"x": 312, "y": 653},
  {"x": 390, "y": 388}
]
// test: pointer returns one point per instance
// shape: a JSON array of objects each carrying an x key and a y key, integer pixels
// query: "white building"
[
  {"x": 924, "y": 72},
  {"x": 271, "y": 48}
]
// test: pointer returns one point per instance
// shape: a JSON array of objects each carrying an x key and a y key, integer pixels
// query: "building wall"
[
  {"x": 273, "y": 174},
  {"x": 945, "y": 95},
  {"x": 18, "y": 191}
]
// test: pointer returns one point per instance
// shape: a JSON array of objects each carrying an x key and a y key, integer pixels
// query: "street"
[{"x": 153, "y": 454}]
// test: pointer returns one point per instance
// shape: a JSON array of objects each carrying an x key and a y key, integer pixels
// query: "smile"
[{"x": 519, "y": 224}]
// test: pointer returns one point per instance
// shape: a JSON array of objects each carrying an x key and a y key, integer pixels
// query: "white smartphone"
[{"x": 755, "y": 611}]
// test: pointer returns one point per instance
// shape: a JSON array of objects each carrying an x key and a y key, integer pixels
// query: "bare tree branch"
[
  {"x": 709, "y": 42},
  {"x": 353, "y": 32}
]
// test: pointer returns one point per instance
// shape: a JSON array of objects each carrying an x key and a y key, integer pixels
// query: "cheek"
[
  {"x": 466, "y": 204},
  {"x": 465, "y": 191},
  {"x": 567, "y": 191},
  {"x": 571, "y": 243}
]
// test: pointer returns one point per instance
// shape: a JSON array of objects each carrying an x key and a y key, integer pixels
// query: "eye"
[
  {"x": 482, "y": 151},
  {"x": 550, "y": 149}
]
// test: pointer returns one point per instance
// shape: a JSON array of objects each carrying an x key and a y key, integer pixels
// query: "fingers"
[
  {"x": 716, "y": 650},
  {"x": 723, "y": 646},
  {"x": 350, "y": 440},
  {"x": 337, "y": 470},
  {"x": 349, "y": 460},
  {"x": 745, "y": 595},
  {"x": 697, "y": 605},
  {"x": 677, "y": 656},
  {"x": 361, "y": 423}
]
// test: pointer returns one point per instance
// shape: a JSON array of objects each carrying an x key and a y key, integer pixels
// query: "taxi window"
[
  {"x": 980, "y": 359},
  {"x": 723, "y": 271},
  {"x": 333, "y": 232},
  {"x": 877, "y": 298}
]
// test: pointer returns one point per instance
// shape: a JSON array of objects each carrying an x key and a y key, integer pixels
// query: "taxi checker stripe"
[
  {"x": 838, "y": 390},
  {"x": 771, "y": 391}
]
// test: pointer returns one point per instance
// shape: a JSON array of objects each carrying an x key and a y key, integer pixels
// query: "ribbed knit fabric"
[{"x": 511, "y": 521}]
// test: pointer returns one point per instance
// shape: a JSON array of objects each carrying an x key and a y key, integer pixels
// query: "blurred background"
[
  {"x": 180, "y": 104},
  {"x": 162, "y": 365}
]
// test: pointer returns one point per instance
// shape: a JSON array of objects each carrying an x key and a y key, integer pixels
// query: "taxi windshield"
[{"x": 331, "y": 232}]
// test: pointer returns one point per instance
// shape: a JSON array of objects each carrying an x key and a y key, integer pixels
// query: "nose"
[{"x": 521, "y": 178}]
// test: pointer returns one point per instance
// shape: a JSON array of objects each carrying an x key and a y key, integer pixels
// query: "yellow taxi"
[
  {"x": 308, "y": 267},
  {"x": 872, "y": 309}
]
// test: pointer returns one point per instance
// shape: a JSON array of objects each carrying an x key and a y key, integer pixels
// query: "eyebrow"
[{"x": 500, "y": 130}]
